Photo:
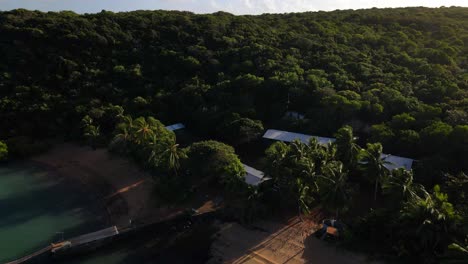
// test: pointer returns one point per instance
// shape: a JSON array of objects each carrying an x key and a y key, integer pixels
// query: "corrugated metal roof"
[
  {"x": 253, "y": 176},
  {"x": 396, "y": 162},
  {"x": 286, "y": 136},
  {"x": 175, "y": 127}
]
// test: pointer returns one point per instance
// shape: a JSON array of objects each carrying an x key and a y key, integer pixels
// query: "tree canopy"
[
  {"x": 395, "y": 79},
  {"x": 400, "y": 72}
]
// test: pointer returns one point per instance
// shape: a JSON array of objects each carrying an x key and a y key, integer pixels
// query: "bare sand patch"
[
  {"x": 276, "y": 242},
  {"x": 124, "y": 189}
]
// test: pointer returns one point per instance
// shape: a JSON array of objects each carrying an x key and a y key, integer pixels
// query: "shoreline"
[
  {"x": 109, "y": 180},
  {"x": 76, "y": 183}
]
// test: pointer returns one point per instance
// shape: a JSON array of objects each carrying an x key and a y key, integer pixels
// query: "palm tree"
[
  {"x": 400, "y": 183},
  {"x": 303, "y": 197},
  {"x": 298, "y": 150},
  {"x": 276, "y": 155},
  {"x": 128, "y": 121},
  {"x": 172, "y": 155},
  {"x": 165, "y": 154},
  {"x": 86, "y": 121},
  {"x": 308, "y": 169},
  {"x": 430, "y": 221},
  {"x": 123, "y": 134},
  {"x": 154, "y": 149},
  {"x": 320, "y": 154},
  {"x": 143, "y": 130},
  {"x": 154, "y": 124},
  {"x": 374, "y": 165},
  {"x": 333, "y": 186},
  {"x": 347, "y": 149}
]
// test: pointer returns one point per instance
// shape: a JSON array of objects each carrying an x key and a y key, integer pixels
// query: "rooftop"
[
  {"x": 175, "y": 127},
  {"x": 286, "y": 136},
  {"x": 394, "y": 162},
  {"x": 253, "y": 176}
]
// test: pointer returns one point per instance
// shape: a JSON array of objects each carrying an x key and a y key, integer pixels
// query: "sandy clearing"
[
  {"x": 125, "y": 190},
  {"x": 275, "y": 242}
]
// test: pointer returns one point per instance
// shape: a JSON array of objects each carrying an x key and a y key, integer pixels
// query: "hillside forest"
[{"x": 379, "y": 80}]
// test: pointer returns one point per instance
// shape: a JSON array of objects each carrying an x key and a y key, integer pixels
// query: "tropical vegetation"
[{"x": 387, "y": 79}]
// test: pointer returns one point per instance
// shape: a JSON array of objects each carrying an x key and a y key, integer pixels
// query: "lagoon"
[{"x": 38, "y": 207}]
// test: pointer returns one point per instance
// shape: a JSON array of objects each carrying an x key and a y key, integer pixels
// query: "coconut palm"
[
  {"x": 143, "y": 130},
  {"x": 333, "y": 187},
  {"x": 303, "y": 197},
  {"x": 298, "y": 150},
  {"x": 400, "y": 183},
  {"x": 86, "y": 121},
  {"x": 320, "y": 154},
  {"x": 347, "y": 149},
  {"x": 374, "y": 165},
  {"x": 430, "y": 222},
  {"x": 308, "y": 169},
  {"x": 276, "y": 155},
  {"x": 172, "y": 154},
  {"x": 154, "y": 149},
  {"x": 123, "y": 134},
  {"x": 128, "y": 121}
]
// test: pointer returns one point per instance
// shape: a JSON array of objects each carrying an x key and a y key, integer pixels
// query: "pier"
[{"x": 92, "y": 241}]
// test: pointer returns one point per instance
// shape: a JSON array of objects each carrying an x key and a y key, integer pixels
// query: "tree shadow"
[
  {"x": 262, "y": 241},
  {"x": 321, "y": 251},
  {"x": 52, "y": 198},
  {"x": 182, "y": 240}
]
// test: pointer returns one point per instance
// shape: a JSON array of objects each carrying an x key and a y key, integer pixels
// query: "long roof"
[
  {"x": 394, "y": 162},
  {"x": 175, "y": 127},
  {"x": 253, "y": 176},
  {"x": 286, "y": 136}
]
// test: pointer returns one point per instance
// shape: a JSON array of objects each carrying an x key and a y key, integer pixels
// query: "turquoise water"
[{"x": 37, "y": 208}]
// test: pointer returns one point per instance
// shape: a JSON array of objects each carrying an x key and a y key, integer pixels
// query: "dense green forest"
[{"x": 396, "y": 78}]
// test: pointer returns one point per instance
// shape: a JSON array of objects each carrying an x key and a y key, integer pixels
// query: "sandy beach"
[{"x": 123, "y": 189}]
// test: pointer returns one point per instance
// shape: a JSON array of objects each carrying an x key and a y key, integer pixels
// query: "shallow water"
[{"x": 37, "y": 208}]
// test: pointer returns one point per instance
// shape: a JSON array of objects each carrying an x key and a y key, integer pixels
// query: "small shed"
[
  {"x": 253, "y": 176},
  {"x": 294, "y": 115},
  {"x": 286, "y": 136},
  {"x": 175, "y": 127}
]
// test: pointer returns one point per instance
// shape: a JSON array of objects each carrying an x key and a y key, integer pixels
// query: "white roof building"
[
  {"x": 394, "y": 162},
  {"x": 286, "y": 136},
  {"x": 175, "y": 127},
  {"x": 254, "y": 177}
]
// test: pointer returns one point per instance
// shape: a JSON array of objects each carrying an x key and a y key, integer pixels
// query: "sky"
[{"x": 237, "y": 7}]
